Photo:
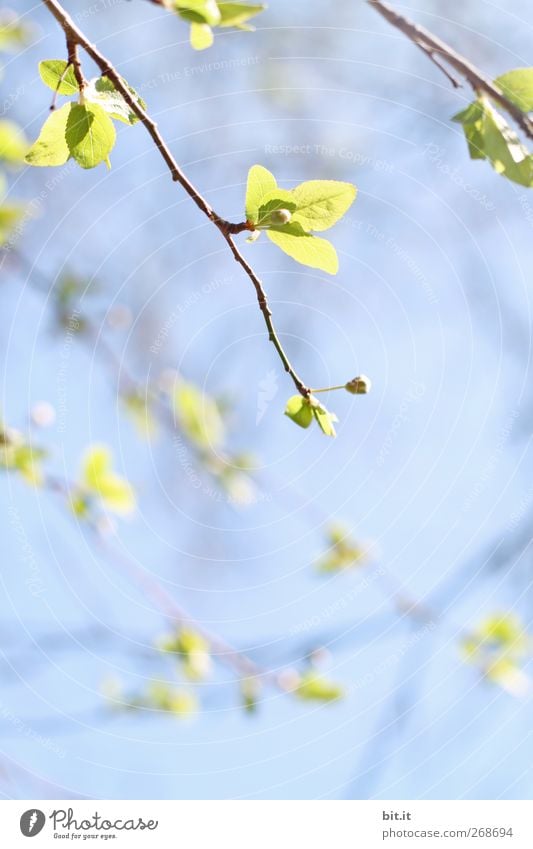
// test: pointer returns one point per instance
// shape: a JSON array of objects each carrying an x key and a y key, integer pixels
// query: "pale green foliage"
[
  {"x": 250, "y": 691},
  {"x": 343, "y": 552},
  {"x": 90, "y": 134},
  {"x": 51, "y": 147},
  {"x": 517, "y": 86},
  {"x": 9, "y": 216},
  {"x": 499, "y": 646},
  {"x": 192, "y": 650},
  {"x": 18, "y": 455},
  {"x": 490, "y": 137},
  {"x": 58, "y": 75},
  {"x": 302, "y": 411},
  {"x": 313, "y": 687},
  {"x": 204, "y": 14},
  {"x": 100, "y": 483},
  {"x": 101, "y": 91},
  {"x": 82, "y": 131},
  {"x": 289, "y": 217},
  {"x": 13, "y": 143}
]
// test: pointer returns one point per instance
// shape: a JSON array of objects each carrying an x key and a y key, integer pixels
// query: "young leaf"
[
  {"x": 490, "y": 137},
  {"x": 59, "y": 76},
  {"x": 260, "y": 183},
  {"x": 99, "y": 480},
  {"x": 90, "y": 134},
  {"x": 199, "y": 11},
  {"x": 102, "y": 91},
  {"x": 201, "y": 36},
  {"x": 9, "y": 216},
  {"x": 321, "y": 203},
  {"x": 299, "y": 410},
  {"x": 237, "y": 14},
  {"x": 325, "y": 419},
  {"x": 51, "y": 147},
  {"x": 517, "y": 86},
  {"x": 313, "y": 687},
  {"x": 304, "y": 247}
]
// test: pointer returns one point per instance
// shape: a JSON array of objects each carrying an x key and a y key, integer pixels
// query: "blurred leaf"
[
  {"x": 198, "y": 415},
  {"x": 237, "y": 14},
  {"x": 13, "y": 32},
  {"x": 59, "y": 76},
  {"x": 18, "y": 455},
  {"x": 138, "y": 409},
  {"x": 343, "y": 552},
  {"x": 193, "y": 651},
  {"x": 312, "y": 687},
  {"x": 517, "y": 86},
  {"x": 201, "y": 36},
  {"x": 13, "y": 143},
  {"x": 178, "y": 701},
  {"x": 99, "y": 480},
  {"x": 51, "y": 147},
  {"x": 9, "y": 217},
  {"x": 250, "y": 690}
]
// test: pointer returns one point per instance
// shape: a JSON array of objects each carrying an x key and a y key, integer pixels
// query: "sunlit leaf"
[
  {"x": 13, "y": 143},
  {"x": 260, "y": 183},
  {"x": 59, "y": 76},
  {"x": 51, "y": 147},
  {"x": 90, "y": 134},
  {"x": 312, "y": 687},
  {"x": 304, "y": 247},
  {"x": 321, "y": 203},
  {"x": 517, "y": 86},
  {"x": 299, "y": 410}
]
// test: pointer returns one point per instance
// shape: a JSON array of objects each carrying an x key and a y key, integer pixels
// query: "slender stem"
[
  {"x": 75, "y": 36},
  {"x": 328, "y": 389},
  {"x": 433, "y": 45}
]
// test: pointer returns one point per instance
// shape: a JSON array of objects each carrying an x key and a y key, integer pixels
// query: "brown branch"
[
  {"x": 76, "y": 37},
  {"x": 433, "y": 45}
]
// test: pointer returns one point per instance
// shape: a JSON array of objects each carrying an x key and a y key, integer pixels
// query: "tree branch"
[
  {"x": 433, "y": 46},
  {"x": 76, "y": 37}
]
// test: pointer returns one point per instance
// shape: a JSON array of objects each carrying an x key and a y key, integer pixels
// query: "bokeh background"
[{"x": 433, "y": 468}]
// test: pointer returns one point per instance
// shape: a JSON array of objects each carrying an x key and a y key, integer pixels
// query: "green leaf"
[
  {"x": 201, "y": 36},
  {"x": 490, "y": 137},
  {"x": 236, "y": 14},
  {"x": 517, "y": 86},
  {"x": 325, "y": 419},
  {"x": 102, "y": 91},
  {"x": 321, "y": 203},
  {"x": 313, "y": 687},
  {"x": 343, "y": 552},
  {"x": 304, "y": 247},
  {"x": 299, "y": 410},
  {"x": 199, "y": 11},
  {"x": 51, "y": 147},
  {"x": 59, "y": 76},
  {"x": 90, "y": 134},
  {"x": 193, "y": 651},
  {"x": 13, "y": 144},
  {"x": 260, "y": 183}
]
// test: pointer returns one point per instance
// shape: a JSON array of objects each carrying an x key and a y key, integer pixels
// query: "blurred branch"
[
  {"x": 74, "y": 38},
  {"x": 439, "y": 52}
]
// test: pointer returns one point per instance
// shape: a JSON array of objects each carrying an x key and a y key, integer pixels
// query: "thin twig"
[
  {"x": 432, "y": 44},
  {"x": 75, "y": 36}
]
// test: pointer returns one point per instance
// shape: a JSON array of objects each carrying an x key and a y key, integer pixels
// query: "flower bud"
[
  {"x": 359, "y": 385},
  {"x": 280, "y": 216}
]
